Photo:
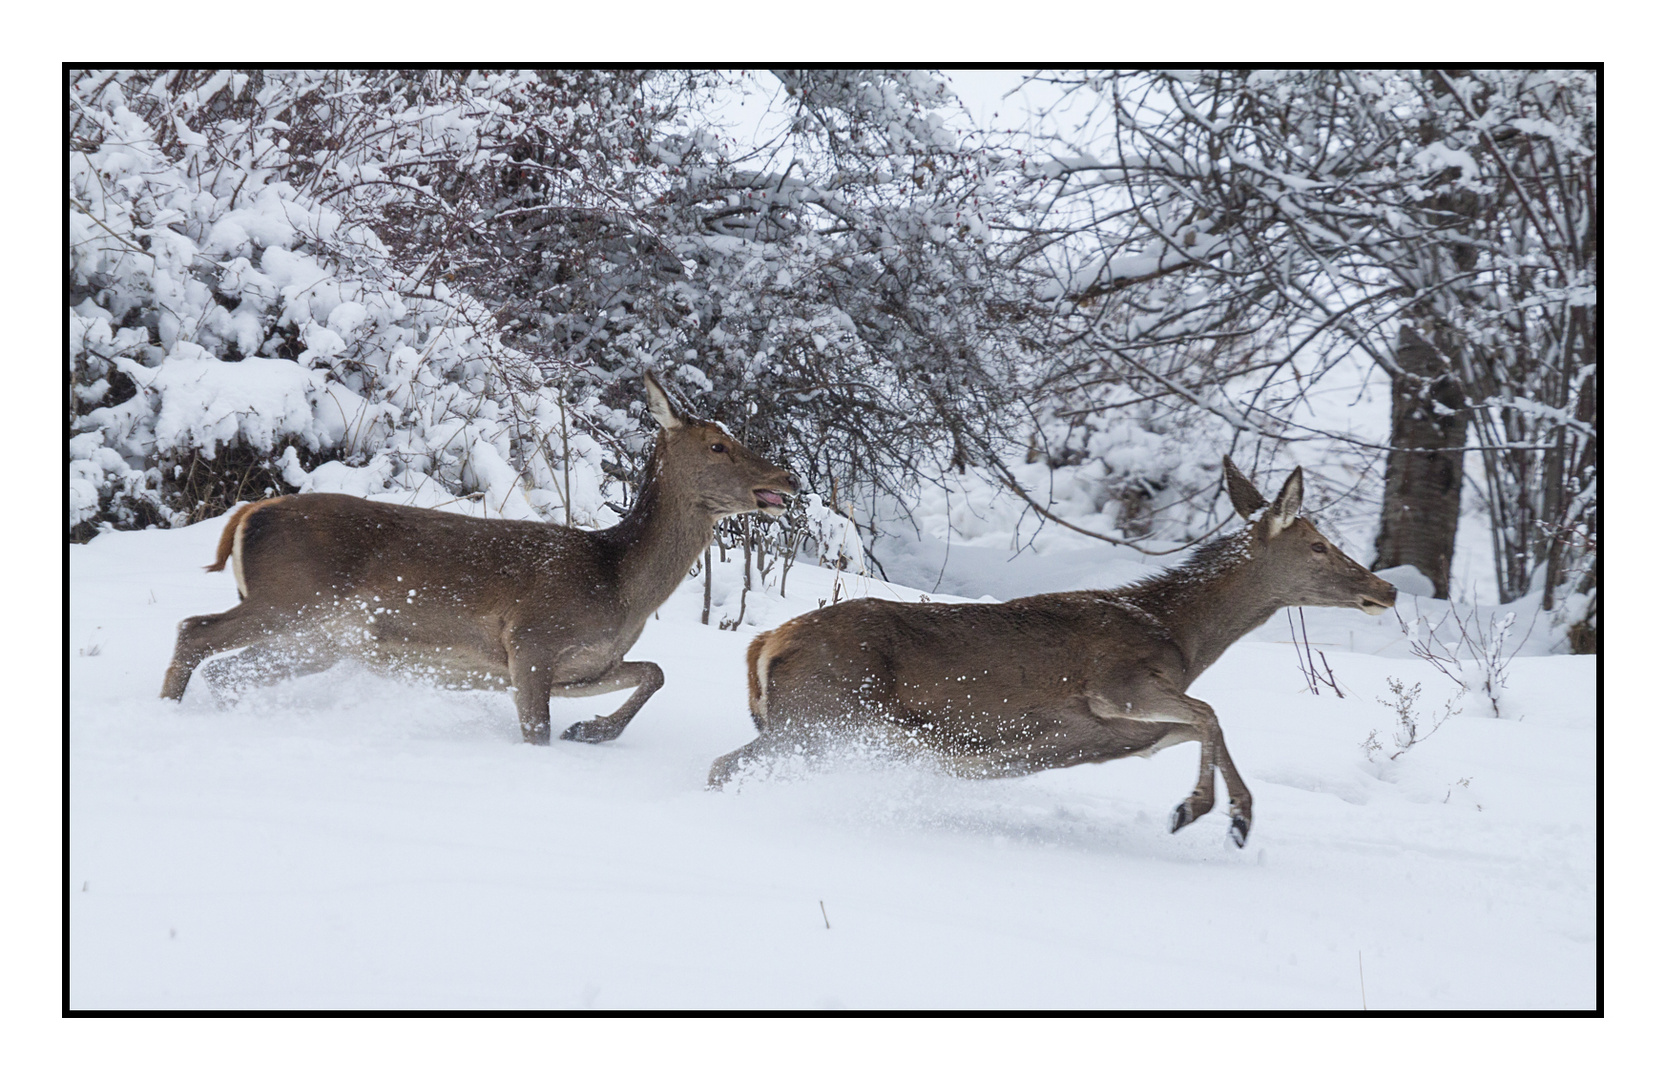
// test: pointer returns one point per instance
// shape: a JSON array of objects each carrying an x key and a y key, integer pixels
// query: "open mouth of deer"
[
  {"x": 1371, "y": 607},
  {"x": 770, "y": 500}
]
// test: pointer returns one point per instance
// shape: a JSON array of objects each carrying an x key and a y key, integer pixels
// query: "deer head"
[
  {"x": 1299, "y": 563},
  {"x": 701, "y": 457}
]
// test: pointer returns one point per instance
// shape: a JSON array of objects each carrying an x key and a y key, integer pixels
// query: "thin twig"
[
  {"x": 130, "y": 245},
  {"x": 1018, "y": 490}
]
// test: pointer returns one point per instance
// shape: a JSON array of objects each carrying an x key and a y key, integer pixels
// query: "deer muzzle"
[
  {"x": 773, "y": 500},
  {"x": 1379, "y": 599}
]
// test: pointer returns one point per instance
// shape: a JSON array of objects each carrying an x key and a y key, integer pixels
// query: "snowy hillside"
[{"x": 347, "y": 842}]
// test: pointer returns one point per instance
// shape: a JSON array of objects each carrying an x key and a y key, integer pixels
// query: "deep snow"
[{"x": 347, "y": 842}]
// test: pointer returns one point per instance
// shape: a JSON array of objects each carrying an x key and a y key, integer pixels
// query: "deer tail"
[{"x": 228, "y": 548}]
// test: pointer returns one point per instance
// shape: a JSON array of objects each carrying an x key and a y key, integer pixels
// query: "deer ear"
[
  {"x": 1245, "y": 499},
  {"x": 659, "y": 403},
  {"x": 1288, "y": 506}
]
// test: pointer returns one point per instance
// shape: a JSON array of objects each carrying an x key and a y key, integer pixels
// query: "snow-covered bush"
[
  {"x": 444, "y": 283},
  {"x": 232, "y": 336}
]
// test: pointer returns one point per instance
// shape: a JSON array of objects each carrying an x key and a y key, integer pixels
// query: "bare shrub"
[{"x": 1409, "y": 727}]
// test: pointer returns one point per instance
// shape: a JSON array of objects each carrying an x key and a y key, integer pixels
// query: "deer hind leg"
[
  {"x": 263, "y": 664},
  {"x": 811, "y": 742},
  {"x": 814, "y": 734},
  {"x": 201, "y": 636},
  {"x": 645, "y": 675},
  {"x": 726, "y": 766}
]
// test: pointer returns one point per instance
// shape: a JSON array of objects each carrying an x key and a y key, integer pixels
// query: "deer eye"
[
  {"x": 1319, "y": 547},
  {"x": 719, "y": 448}
]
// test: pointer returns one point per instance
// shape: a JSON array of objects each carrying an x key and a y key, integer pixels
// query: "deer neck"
[
  {"x": 1209, "y": 603},
  {"x": 655, "y": 544}
]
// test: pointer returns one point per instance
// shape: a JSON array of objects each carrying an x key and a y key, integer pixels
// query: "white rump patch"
[
  {"x": 763, "y": 682},
  {"x": 237, "y": 558}
]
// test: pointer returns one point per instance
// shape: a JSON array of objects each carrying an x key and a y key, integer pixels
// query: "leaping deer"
[
  {"x": 1062, "y": 679},
  {"x": 542, "y": 608}
]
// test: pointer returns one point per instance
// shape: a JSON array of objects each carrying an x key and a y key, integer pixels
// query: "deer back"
[{"x": 964, "y": 661}]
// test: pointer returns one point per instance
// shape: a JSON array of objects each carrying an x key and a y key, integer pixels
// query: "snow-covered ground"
[{"x": 348, "y": 842}]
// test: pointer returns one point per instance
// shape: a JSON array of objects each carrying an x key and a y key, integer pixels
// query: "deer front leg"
[
  {"x": 1236, "y": 790},
  {"x": 645, "y": 675},
  {"x": 1202, "y": 798},
  {"x": 1213, "y": 756},
  {"x": 1189, "y": 719}
]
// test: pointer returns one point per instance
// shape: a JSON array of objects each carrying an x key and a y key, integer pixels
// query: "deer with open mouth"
[{"x": 544, "y": 609}]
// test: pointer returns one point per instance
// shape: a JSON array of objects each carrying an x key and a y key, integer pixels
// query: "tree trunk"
[{"x": 1425, "y": 471}]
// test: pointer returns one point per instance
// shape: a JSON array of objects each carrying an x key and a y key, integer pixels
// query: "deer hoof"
[
  {"x": 538, "y": 736},
  {"x": 1240, "y": 829},
  {"x": 1181, "y": 817},
  {"x": 589, "y": 731}
]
